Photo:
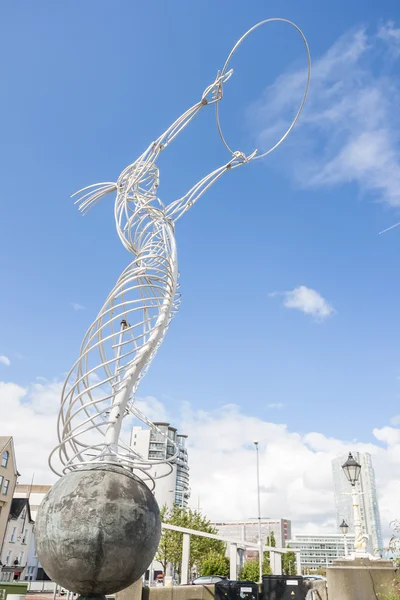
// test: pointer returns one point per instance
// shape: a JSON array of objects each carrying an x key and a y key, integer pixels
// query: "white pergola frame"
[{"x": 234, "y": 544}]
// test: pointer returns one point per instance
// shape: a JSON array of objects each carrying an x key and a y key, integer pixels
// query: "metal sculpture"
[
  {"x": 119, "y": 346},
  {"x": 99, "y": 527}
]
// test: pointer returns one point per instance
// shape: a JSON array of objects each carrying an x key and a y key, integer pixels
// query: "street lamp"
[
  {"x": 344, "y": 528},
  {"x": 260, "y": 551},
  {"x": 352, "y": 470}
]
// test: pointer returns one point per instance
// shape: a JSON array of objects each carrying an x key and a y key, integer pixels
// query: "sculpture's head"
[{"x": 138, "y": 183}]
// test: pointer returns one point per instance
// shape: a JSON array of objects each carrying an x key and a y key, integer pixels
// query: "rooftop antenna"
[{"x": 30, "y": 487}]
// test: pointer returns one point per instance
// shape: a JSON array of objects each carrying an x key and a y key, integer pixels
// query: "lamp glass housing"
[
  {"x": 351, "y": 469},
  {"x": 344, "y": 528}
]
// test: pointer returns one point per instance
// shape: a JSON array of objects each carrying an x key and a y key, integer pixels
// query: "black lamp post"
[
  {"x": 344, "y": 528},
  {"x": 352, "y": 470}
]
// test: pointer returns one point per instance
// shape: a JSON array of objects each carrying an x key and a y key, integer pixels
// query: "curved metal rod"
[{"x": 232, "y": 52}]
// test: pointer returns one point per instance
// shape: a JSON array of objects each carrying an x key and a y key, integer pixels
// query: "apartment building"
[
  {"x": 318, "y": 551},
  {"x": 174, "y": 488},
  {"x": 8, "y": 480},
  {"x": 17, "y": 540}
]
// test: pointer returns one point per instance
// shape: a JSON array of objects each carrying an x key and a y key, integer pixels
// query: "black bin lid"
[
  {"x": 282, "y": 577},
  {"x": 229, "y": 588}
]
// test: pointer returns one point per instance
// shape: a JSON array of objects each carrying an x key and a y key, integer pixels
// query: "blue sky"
[{"x": 87, "y": 86}]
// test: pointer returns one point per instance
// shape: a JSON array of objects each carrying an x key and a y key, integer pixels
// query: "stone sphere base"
[{"x": 97, "y": 530}]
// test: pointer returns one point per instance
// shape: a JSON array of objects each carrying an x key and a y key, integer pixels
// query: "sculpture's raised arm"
[
  {"x": 176, "y": 209},
  {"x": 90, "y": 195},
  {"x": 211, "y": 95}
]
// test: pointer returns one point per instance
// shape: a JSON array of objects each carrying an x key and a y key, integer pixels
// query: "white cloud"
[
  {"x": 295, "y": 469},
  {"x": 77, "y": 306},
  {"x": 391, "y": 35},
  {"x": 349, "y": 131},
  {"x": 4, "y": 360},
  {"x": 277, "y": 405},
  {"x": 389, "y": 435},
  {"x": 308, "y": 301},
  {"x": 30, "y": 416},
  {"x": 395, "y": 420},
  {"x": 152, "y": 408}
]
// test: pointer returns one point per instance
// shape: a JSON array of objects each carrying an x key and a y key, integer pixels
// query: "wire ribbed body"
[{"x": 119, "y": 346}]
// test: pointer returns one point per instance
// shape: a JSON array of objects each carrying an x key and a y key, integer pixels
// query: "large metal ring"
[{"x": 305, "y": 91}]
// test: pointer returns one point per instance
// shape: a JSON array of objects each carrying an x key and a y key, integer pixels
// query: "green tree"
[
  {"x": 170, "y": 547},
  {"x": 250, "y": 571},
  {"x": 271, "y": 541},
  {"x": 200, "y": 547},
  {"x": 215, "y": 564},
  {"x": 170, "y": 542},
  {"x": 289, "y": 566},
  {"x": 266, "y": 566}
]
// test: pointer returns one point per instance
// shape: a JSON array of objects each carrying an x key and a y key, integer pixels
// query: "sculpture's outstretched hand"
[
  {"x": 213, "y": 93},
  {"x": 240, "y": 158}
]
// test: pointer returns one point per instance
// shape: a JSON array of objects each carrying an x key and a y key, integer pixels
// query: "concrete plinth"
[
  {"x": 359, "y": 579},
  {"x": 133, "y": 592},
  {"x": 176, "y": 592}
]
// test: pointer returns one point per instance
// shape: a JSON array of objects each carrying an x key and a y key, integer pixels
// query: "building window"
[
  {"x": 21, "y": 558},
  {"x": 5, "y": 486},
  {"x": 1, "y": 481},
  {"x": 25, "y": 536},
  {"x": 4, "y": 460},
  {"x": 8, "y": 559},
  {"x": 12, "y": 538}
]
